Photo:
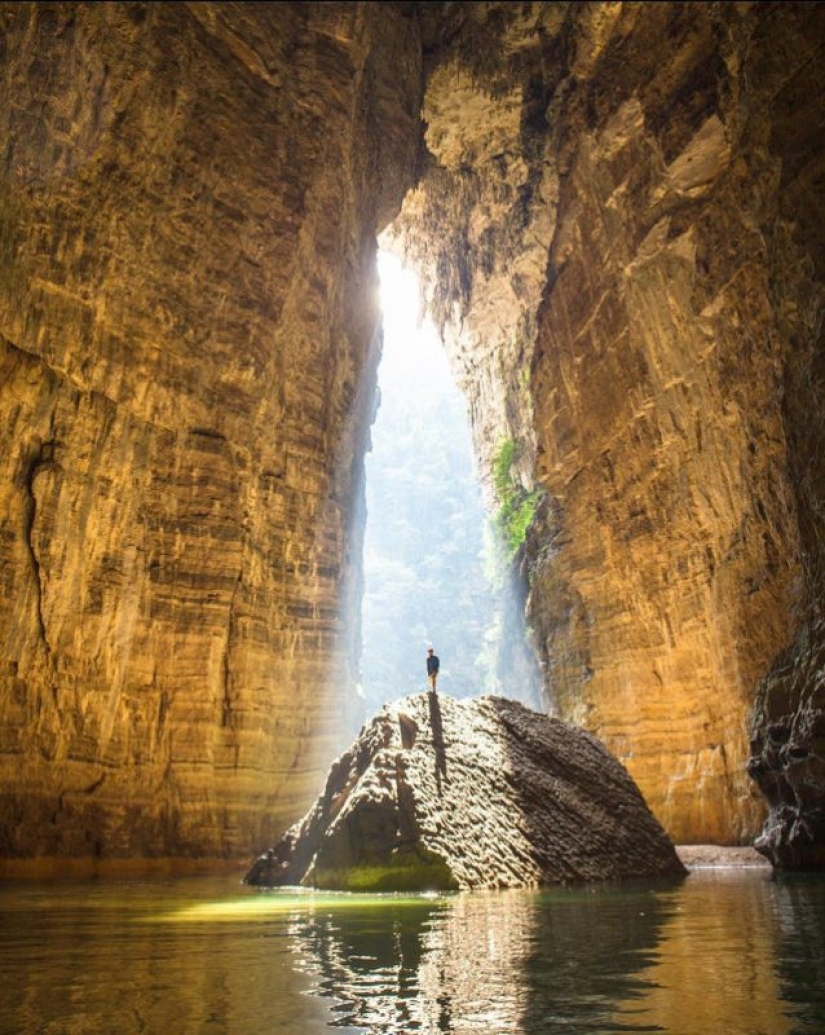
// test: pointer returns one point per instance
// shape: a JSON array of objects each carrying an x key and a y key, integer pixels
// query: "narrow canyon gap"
[
  {"x": 433, "y": 570},
  {"x": 617, "y": 213}
]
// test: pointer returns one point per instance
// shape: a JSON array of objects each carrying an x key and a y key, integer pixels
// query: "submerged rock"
[{"x": 484, "y": 793}]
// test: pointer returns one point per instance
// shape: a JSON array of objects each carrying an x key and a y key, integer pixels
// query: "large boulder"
[{"x": 483, "y": 793}]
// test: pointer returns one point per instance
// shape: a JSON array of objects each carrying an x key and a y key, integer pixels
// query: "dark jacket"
[{"x": 432, "y": 665}]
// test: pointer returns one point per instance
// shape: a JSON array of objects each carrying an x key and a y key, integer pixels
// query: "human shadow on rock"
[{"x": 439, "y": 748}]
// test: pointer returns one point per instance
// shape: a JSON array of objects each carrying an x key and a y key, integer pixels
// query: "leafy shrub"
[{"x": 516, "y": 506}]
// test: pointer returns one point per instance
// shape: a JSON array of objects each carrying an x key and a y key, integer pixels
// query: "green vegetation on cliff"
[{"x": 517, "y": 506}]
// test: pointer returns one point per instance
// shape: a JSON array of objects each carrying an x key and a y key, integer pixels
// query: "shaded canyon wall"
[
  {"x": 189, "y": 199},
  {"x": 620, "y": 221}
]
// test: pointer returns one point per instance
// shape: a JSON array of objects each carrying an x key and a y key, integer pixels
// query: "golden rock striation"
[
  {"x": 189, "y": 203},
  {"x": 621, "y": 229}
]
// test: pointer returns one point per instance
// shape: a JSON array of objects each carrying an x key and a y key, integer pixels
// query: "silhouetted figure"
[{"x": 432, "y": 667}]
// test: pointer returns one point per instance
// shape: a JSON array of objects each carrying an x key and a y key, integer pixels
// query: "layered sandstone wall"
[
  {"x": 189, "y": 199},
  {"x": 622, "y": 231}
]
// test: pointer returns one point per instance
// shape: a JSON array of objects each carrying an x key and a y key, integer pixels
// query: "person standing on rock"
[{"x": 432, "y": 667}]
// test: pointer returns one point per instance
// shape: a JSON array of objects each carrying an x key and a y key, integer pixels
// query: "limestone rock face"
[
  {"x": 480, "y": 793},
  {"x": 620, "y": 221},
  {"x": 189, "y": 200}
]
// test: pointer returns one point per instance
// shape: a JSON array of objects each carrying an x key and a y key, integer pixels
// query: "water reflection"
[
  {"x": 724, "y": 952},
  {"x": 87, "y": 958},
  {"x": 713, "y": 970},
  {"x": 800, "y": 906},
  {"x": 733, "y": 953},
  {"x": 515, "y": 962},
  {"x": 368, "y": 960}
]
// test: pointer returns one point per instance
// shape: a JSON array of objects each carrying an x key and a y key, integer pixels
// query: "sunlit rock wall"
[
  {"x": 621, "y": 220},
  {"x": 189, "y": 198}
]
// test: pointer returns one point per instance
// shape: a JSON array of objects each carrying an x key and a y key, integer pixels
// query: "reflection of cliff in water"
[
  {"x": 800, "y": 968},
  {"x": 724, "y": 951},
  {"x": 367, "y": 960},
  {"x": 518, "y": 961}
]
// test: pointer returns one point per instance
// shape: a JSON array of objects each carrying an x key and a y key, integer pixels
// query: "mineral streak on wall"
[
  {"x": 621, "y": 214},
  {"x": 189, "y": 197}
]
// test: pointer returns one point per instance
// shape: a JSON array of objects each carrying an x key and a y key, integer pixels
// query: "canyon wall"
[
  {"x": 620, "y": 224},
  {"x": 617, "y": 209},
  {"x": 189, "y": 199}
]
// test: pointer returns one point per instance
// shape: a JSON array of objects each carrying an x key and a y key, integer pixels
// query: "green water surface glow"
[
  {"x": 733, "y": 952},
  {"x": 263, "y": 905}
]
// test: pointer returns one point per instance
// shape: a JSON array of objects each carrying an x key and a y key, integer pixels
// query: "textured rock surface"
[
  {"x": 480, "y": 793},
  {"x": 621, "y": 215},
  {"x": 189, "y": 200},
  {"x": 788, "y": 754}
]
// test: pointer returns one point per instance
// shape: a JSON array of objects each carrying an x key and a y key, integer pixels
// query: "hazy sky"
[
  {"x": 423, "y": 546},
  {"x": 413, "y": 355},
  {"x": 426, "y": 556}
]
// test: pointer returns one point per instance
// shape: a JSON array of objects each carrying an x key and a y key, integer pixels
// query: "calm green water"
[{"x": 722, "y": 953}]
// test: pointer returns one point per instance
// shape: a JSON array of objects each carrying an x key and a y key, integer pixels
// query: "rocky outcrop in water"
[{"x": 481, "y": 793}]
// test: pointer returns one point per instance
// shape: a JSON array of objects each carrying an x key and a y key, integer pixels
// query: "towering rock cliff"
[
  {"x": 618, "y": 211},
  {"x": 189, "y": 200},
  {"x": 622, "y": 227}
]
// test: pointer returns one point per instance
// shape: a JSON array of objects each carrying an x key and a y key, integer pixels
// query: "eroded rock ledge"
[
  {"x": 788, "y": 753},
  {"x": 485, "y": 793}
]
